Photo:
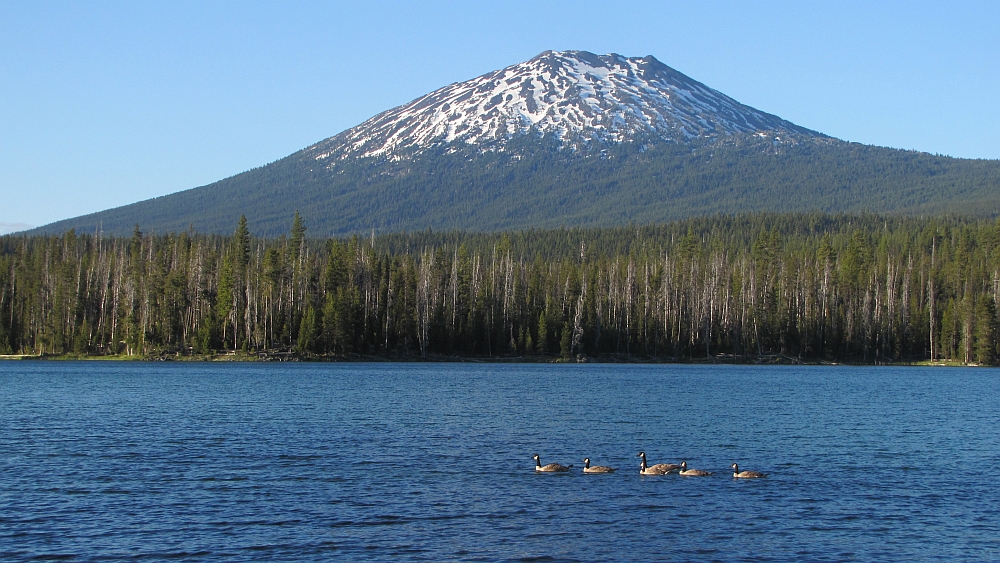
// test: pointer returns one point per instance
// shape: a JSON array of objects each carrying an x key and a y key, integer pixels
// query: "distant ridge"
[
  {"x": 6, "y": 228},
  {"x": 565, "y": 139}
]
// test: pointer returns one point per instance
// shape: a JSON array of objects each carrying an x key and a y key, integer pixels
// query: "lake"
[{"x": 109, "y": 461}]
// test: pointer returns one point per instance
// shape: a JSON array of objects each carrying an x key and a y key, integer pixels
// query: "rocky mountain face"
[{"x": 579, "y": 98}]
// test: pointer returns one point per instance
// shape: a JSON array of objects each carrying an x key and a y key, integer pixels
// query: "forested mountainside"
[
  {"x": 539, "y": 186},
  {"x": 810, "y": 287},
  {"x": 566, "y": 139}
]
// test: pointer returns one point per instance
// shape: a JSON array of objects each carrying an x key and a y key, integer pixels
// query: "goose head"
[{"x": 586, "y": 462}]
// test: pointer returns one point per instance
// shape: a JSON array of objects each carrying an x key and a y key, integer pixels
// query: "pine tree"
[
  {"x": 298, "y": 237},
  {"x": 566, "y": 341},
  {"x": 309, "y": 331},
  {"x": 986, "y": 331},
  {"x": 241, "y": 244}
]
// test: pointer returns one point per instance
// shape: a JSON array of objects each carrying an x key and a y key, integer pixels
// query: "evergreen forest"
[
  {"x": 738, "y": 288},
  {"x": 534, "y": 184}
]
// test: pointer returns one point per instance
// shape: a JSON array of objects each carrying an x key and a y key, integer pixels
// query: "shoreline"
[{"x": 364, "y": 358}]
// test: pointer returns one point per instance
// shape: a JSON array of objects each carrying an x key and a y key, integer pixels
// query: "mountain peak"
[
  {"x": 465, "y": 157},
  {"x": 575, "y": 96}
]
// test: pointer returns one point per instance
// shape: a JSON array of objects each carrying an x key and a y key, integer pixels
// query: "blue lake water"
[{"x": 432, "y": 462}]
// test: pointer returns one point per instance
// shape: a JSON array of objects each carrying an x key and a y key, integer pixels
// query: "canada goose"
[
  {"x": 658, "y": 469},
  {"x": 550, "y": 468},
  {"x": 597, "y": 468},
  {"x": 692, "y": 472},
  {"x": 746, "y": 474}
]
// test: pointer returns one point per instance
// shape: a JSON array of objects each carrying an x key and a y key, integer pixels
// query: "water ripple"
[{"x": 108, "y": 462}]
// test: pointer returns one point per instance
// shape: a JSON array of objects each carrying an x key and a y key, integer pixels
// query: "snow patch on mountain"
[{"x": 575, "y": 96}]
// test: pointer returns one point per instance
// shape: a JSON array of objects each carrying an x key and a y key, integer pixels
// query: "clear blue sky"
[{"x": 107, "y": 103}]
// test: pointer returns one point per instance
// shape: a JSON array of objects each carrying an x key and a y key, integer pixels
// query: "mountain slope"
[
  {"x": 578, "y": 97},
  {"x": 565, "y": 139}
]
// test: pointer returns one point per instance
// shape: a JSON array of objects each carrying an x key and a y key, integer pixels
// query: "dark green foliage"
[
  {"x": 565, "y": 343},
  {"x": 986, "y": 330},
  {"x": 207, "y": 337},
  {"x": 861, "y": 288},
  {"x": 298, "y": 236},
  {"x": 309, "y": 331},
  {"x": 241, "y": 244},
  {"x": 532, "y": 184}
]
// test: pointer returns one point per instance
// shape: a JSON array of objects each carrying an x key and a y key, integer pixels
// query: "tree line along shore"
[{"x": 745, "y": 288}]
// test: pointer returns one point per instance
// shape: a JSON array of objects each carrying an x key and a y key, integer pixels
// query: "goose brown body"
[
  {"x": 658, "y": 469},
  {"x": 597, "y": 468},
  {"x": 692, "y": 472},
  {"x": 549, "y": 468},
  {"x": 746, "y": 474}
]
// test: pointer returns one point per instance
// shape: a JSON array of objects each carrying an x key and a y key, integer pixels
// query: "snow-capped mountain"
[
  {"x": 511, "y": 150},
  {"x": 575, "y": 96}
]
